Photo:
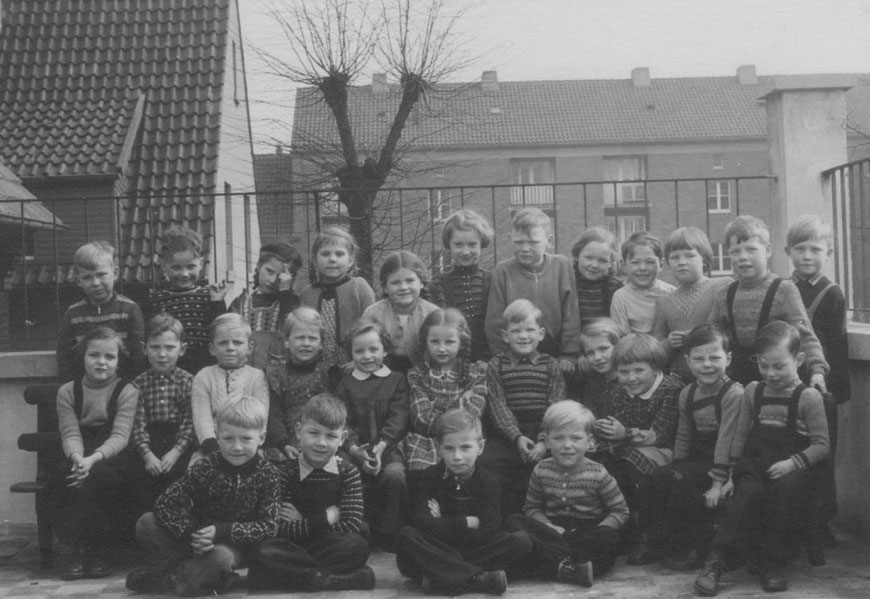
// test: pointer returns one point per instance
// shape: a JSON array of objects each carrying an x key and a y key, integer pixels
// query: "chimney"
[
  {"x": 489, "y": 81},
  {"x": 746, "y": 74},
  {"x": 640, "y": 77},
  {"x": 379, "y": 83}
]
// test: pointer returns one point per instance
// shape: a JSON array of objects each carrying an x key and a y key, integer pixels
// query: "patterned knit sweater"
[
  {"x": 319, "y": 490},
  {"x": 351, "y": 298},
  {"x": 590, "y": 493},
  {"x": 466, "y": 288},
  {"x": 290, "y": 387},
  {"x": 594, "y": 297},
  {"x": 242, "y": 502}
]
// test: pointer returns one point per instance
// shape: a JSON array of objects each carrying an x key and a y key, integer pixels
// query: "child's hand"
[
  {"x": 377, "y": 453},
  {"x": 781, "y": 468},
  {"x": 558, "y": 529},
  {"x": 332, "y": 514},
  {"x": 537, "y": 453},
  {"x": 728, "y": 489},
  {"x": 712, "y": 496},
  {"x": 566, "y": 366},
  {"x": 78, "y": 471},
  {"x": 583, "y": 367},
  {"x": 817, "y": 381},
  {"x": 434, "y": 508},
  {"x": 289, "y": 512},
  {"x": 675, "y": 339},
  {"x": 291, "y": 452},
  {"x": 285, "y": 281},
  {"x": 611, "y": 429},
  {"x": 217, "y": 292},
  {"x": 202, "y": 541},
  {"x": 472, "y": 522},
  {"x": 524, "y": 446},
  {"x": 153, "y": 465},
  {"x": 169, "y": 460},
  {"x": 347, "y": 367}
]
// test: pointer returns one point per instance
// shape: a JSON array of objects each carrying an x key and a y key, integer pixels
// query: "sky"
[{"x": 605, "y": 39}]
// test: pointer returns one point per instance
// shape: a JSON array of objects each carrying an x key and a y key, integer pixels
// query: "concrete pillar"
[{"x": 806, "y": 129}]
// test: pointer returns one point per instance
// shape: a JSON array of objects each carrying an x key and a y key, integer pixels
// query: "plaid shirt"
[
  {"x": 163, "y": 398},
  {"x": 432, "y": 394},
  {"x": 656, "y": 416}
]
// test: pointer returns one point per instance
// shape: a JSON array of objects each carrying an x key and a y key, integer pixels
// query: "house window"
[
  {"x": 332, "y": 211},
  {"x": 721, "y": 265},
  {"x": 624, "y": 168},
  {"x": 718, "y": 162},
  {"x": 438, "y": 204},
  {"x": 534, "y": 178},
  {"x": 622, "y": 227},
  {"x": 719, "y": 196}
]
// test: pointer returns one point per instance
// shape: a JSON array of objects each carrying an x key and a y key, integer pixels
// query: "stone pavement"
[{"x": 847, "y": 574}]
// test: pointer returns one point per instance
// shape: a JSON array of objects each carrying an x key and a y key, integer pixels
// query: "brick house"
[
  {"x": 647, "y": 153},
  {"x": 124, "y": 118}
]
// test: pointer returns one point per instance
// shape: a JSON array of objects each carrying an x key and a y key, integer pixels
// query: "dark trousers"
[
  {"x": 292, "y": 565},
  {"x": 194, "y": 574},
  {"x": 681, "y": 517},
  {"x": 502, "y": 459},
  {"x": 582, "y": 541},
  {"x": 450, "y": 565},
  {"x": 637, "y": 487},
  {"x": 766, "y": 517},
  {"x": 386, "y": 499}
]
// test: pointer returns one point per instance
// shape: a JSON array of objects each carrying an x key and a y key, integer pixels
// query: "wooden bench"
[{"x": 45, "y": 442}]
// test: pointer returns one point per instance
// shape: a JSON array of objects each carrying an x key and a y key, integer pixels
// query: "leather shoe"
[
  {"x": 773, "y": 579},
  {"x": 74, "y": 570},
  {"x": 707, "y": 582},
  {"x": 96, "y": 567}
]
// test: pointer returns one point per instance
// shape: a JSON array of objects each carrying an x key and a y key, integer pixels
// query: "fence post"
[{"x": 806, "y": 129}]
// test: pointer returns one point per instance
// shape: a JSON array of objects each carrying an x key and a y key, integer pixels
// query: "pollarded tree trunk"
[{"x": 358, "y": 188}]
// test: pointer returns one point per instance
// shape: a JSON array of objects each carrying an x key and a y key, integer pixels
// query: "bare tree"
[{"x": 415, "y": 42}]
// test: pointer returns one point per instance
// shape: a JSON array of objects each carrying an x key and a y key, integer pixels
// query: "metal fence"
[{"x": 38, "y": 240}]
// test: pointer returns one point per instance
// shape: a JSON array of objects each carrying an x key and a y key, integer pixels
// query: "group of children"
[{"x": 537, "y": 420}]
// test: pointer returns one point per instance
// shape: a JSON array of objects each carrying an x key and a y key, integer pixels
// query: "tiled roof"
[
  {"x": 28, "y": 210},
  {"x": 562, "y": 113},
  {"x": 104, "y": 87}
]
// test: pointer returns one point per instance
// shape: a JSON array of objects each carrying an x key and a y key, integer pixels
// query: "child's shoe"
[
  {"x": 75, "y": 569},
  {"x": 773, "y": 579},
  {"x": 96, "y": 567},
  {"x": 643, "y": 550},
  {"x": 491, "y": 583},
  {"x": 575, "y": 572},
  {"x": 707, "y": 582},
  {"x": 361, "y": 579}
]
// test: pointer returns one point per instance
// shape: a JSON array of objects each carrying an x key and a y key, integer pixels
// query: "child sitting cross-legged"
[
  {"x": 321, "y": 542},
  {"x": 456, "y": 544},
  {"x": 574, "y": 508},
  {"x": 784, "y": 435},
  {"x": 210, "y": 521}
]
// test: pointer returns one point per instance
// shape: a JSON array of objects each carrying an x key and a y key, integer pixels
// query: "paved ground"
[{"x": 847, "y": 574}]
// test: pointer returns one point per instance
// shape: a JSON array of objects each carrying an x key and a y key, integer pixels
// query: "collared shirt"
[
  {"x": 814, "y": 280},
  {"x": 305, "y": 468},
  {"x": 458, "y": 479},
  {"x": 163, "y": 398},
  {"x": 649, "y": 392},
  {"x": 382, "y": 372}
]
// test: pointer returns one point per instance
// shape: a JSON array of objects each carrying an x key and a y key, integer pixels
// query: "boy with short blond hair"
[
  {"x": 545, "y": 279},
  {"x": 210, "y": 521},
  {"x": 521, "y": 384},
  {"x": 758, "y": 297},
  {"x": 321, "y": 541},
  {"x": 574, "y": 508},
  {"x": 96, "y": 266}
]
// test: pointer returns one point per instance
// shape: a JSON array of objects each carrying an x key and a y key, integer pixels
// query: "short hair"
[
  {"x": 642, "y": 239},
  {"x": 245, "y": 412},
  {"x": 566, "y": 412},
  {"x": 363, "y": 326},
  {"x": 467, "y": 220},
  {"x": 326, "y": 410},
  {"x": 745, "y": 227},
  {"x": 164, "y": 323},
  {"x": 94, "y": 253},
  {"x": 520, "y": 310},
  {"x": 690, "y": 238},
  {"x": 403, "y": 259},
  {"x": 597, "y": 235},
  {"x": 527, "y": 219},
  {"x": 775, "y": 334},
  {"x": 230, "y": 320},
  {"x": 100, "y": 334},
  {"x": 704, "y": 333},
  {"x": 330, "y": 236},
  {"x": 807, "y": 228},
  {"x": 457, "y": 420},
  {"x": 607, "y": 327},
  {"x": 179, "y": 239},
  {"x": 303, "y": 315},
  {"x": 281, "y": 251},
  {"x": 640, "y": 347}
]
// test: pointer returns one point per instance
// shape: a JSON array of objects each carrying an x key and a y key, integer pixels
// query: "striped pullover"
[
  {"x": 316, "y": 492},
  {"x": 591, "y": 493},
  {"x": 466, "y": 288},
  {"x": 519, "y": 392},
  {"x": 594, "y": 296}
]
